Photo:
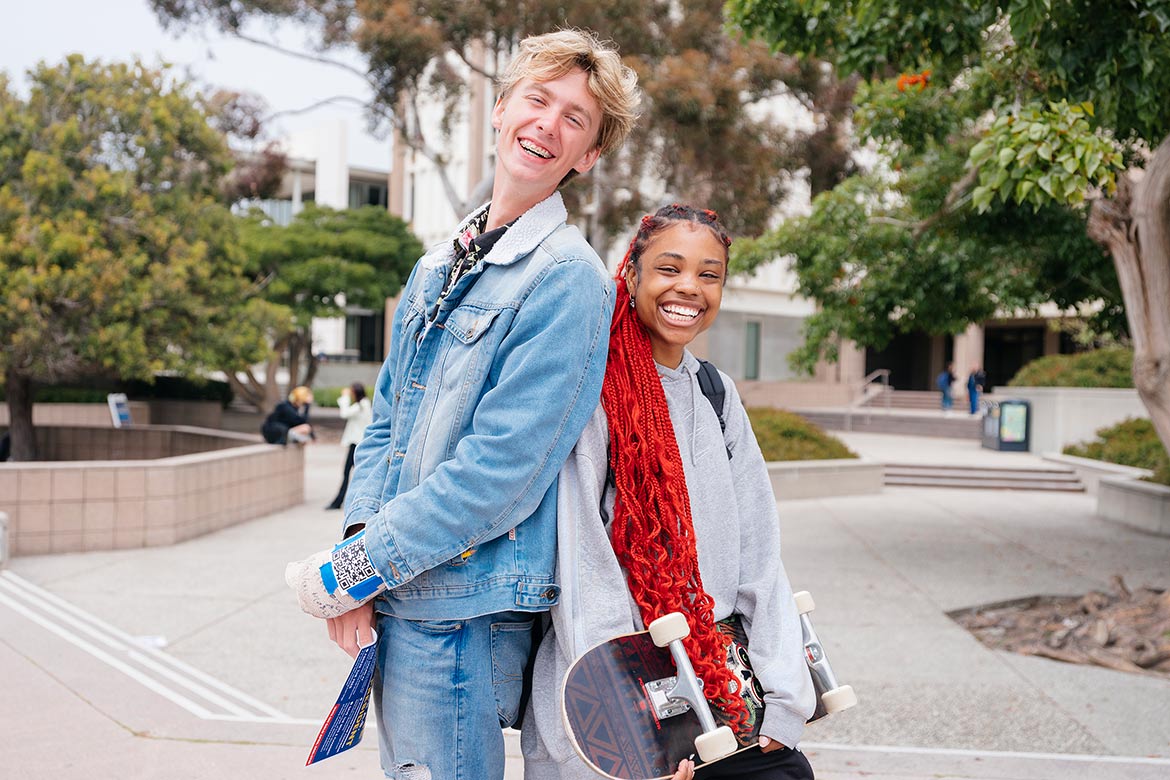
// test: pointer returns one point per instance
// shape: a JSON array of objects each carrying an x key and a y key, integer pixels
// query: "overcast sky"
[{"x": 122, "y": 29}]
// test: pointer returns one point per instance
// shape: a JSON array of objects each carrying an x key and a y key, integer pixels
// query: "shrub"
[
  {"x": 1110, "y": 367},
  {"x": 1132, "y": 442},
  {"x": 787, "y": 436},
  {"x": 326, "y": 396}
]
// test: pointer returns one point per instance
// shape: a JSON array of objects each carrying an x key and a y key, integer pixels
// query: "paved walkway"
[{"x": 193, "y": 661}]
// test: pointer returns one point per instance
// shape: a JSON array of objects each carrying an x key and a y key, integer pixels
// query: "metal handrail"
[{"x": 882, "y": 374}]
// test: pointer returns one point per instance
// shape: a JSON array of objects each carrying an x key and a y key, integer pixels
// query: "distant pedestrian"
[
  {"x": 976, "y": 380},
  {"x": 946, "y": 385},
  {"x": 289, "y": 421},
  {"x": 357, "y": 413}
]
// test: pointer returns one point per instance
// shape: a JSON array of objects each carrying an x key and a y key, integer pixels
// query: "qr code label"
[{"x": 351, "y": 565}]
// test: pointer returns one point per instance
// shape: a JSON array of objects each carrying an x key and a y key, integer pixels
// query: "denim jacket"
[{"x": 475, "y": 410}]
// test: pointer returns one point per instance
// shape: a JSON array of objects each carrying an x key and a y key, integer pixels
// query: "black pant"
[
  {"x": 337, "y": 502},
  {"x": 754, "y": 764}
]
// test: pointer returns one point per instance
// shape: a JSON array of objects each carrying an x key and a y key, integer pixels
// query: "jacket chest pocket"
[{"x": 475, "y": 335}]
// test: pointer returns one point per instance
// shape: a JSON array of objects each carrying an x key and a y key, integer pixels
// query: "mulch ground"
[{"x": 1120, "y": 629}]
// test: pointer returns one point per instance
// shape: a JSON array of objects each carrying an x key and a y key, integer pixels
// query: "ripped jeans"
[{"x": 443, "y": 690}]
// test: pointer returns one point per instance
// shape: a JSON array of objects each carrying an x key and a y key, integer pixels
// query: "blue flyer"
[{"x": 343, "y": 726}]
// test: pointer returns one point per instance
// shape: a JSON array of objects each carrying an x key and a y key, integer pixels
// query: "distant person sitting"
[
  {"x": 357, "y": 413},
  {"x": 289, "y": 421}
]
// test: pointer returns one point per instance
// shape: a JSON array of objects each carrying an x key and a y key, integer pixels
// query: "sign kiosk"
[{"x": 119, "y": 409}]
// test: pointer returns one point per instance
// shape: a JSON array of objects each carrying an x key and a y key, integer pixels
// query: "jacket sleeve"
[
  {"x": 764, "y": 596},
  {"x": 370, "y": 465},
  {"x": 545, "y": 381}
]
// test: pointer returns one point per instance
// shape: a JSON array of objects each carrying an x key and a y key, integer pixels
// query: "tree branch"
[
  {"x": 313, "y": 106},
  {"x": 957, "y": 191},
  {"x": 304, "y": 55}
]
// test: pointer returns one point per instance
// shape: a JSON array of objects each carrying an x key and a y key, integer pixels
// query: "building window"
[
  {"x": 751, "y": 358},
  {"x": 365, "y": 194},
  {"x": 363, "y": 336}
]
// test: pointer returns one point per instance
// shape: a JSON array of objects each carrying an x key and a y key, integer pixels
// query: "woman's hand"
[
  {"x": 686, "y": 770},
  {"x": 767, "y": 744}
]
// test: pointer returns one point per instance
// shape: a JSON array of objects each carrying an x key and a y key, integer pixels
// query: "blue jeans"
[
  {"x": 443, "y": 690},
  {"x": 947, "y": 400}
]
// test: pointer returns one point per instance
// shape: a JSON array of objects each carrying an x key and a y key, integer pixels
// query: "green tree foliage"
[
  {"x": 322, "y": 262},
  {"x": 1039, "y": 111},
  {"x": 708, "y": 134},
  {"x": 117, "y": 257}
]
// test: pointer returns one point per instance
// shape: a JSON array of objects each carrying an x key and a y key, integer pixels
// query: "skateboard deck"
[{"x": 614, "y": 726}]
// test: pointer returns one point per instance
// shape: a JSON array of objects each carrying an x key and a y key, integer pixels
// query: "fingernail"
[{"x": 764, "y": 742}]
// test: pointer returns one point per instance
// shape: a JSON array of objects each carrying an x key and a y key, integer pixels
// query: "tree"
[
  {"x": 117, "y": 258},
  {"x": 320, "y": 263},
  {"x": 1071, "y": 125},
  {"x": 716, "y": 129}
]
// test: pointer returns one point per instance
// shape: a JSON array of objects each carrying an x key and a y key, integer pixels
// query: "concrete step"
[
  {"x": 978, "y": 477},
  {"x": 912, "y": 423},
  {"x": 906, "y": 399}
]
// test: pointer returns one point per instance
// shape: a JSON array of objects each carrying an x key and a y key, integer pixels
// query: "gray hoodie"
[{"x": 737, "y": 534}]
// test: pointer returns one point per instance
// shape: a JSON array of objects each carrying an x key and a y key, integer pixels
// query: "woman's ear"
[{"x": 632, "y": 280}]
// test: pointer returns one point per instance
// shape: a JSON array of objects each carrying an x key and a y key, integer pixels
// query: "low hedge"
[
  {"x": 788, "y": 436},
  {"x": 1108, "y": 367},
  {"x": 171, "y": 388},
  {"x": 1132, "y": 442}
]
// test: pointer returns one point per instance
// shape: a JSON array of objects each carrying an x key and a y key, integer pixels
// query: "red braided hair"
[{"x": 653, "y": 533}]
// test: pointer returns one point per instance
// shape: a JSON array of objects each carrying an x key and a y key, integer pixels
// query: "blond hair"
[
  {"x": 299, "y": 395},
  {"x": 613, "y": 85}
]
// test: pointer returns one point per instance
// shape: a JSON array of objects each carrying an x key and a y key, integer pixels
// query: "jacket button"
[{"x": 549, "y": 594}]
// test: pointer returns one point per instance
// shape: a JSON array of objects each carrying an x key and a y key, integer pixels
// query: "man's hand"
[
  {"x": 767, "y": 744},
  {"x": 353, "y": 630},
  {"x": 333, "y": 582}
]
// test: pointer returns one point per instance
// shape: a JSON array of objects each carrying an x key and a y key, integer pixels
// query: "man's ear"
[
  {"x": 498, "y": 112},
  {"x": 588, "y": 160}
]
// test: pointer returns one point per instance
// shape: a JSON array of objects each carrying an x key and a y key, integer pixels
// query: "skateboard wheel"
[
  {"x": 668, "y": 628},
  {"x": 804, "y": 602},
  {"x": 716, "y": 744},
  {"x": 839, "y": 699}
]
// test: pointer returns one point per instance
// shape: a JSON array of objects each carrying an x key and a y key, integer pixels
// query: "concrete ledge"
[
  {"x": 792, "y": 479},
  {"x": 113, "y": 504},
  {"x": 1092, "y": 471},
  {"x": 1138, "y": 504}
]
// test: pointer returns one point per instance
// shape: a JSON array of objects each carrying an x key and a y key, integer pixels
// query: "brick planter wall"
[{"x": 142, "y": 487}]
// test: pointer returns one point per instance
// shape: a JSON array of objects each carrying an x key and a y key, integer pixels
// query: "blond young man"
[{"x": 496, "y": 362}]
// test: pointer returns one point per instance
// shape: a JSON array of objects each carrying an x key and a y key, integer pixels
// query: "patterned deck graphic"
[{"x": 610, "y": 716}]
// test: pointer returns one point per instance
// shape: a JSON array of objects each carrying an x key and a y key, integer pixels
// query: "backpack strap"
[{"x": 711, "y": 385}]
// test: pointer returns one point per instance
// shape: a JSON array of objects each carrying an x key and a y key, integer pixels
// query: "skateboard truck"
[
  {"x": 672, "y": 696},
  {"x": 834, "y": 697}
]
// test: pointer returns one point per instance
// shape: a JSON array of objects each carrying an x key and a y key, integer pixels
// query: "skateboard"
[{"x": 633, "y": 707}]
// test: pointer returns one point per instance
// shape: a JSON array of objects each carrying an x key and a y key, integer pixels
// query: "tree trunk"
[
  {"x": 20, "y": 416},
  {"x": 1135, "y": 226},
  {"x": 311, "y": 371},
  {"x": 296, "y": 344}
]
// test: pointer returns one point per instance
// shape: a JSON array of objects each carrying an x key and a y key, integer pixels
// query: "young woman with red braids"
[{"x": 659, "y": 510}]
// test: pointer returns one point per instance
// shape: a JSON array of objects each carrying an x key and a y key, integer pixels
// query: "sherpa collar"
[{"x": 532, "y": 227}]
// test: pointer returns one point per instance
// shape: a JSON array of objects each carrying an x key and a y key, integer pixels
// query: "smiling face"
[
  {"x": 677, "y": 287},
  {"x": 547, "y": 128}
]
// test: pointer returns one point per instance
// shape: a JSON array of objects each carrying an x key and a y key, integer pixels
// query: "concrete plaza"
[{"x": 192, "y": 661}]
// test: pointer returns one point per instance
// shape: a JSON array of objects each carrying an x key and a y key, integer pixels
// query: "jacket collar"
[{"x": 531, "y": 228}]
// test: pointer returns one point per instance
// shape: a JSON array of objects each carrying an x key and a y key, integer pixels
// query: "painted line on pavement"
[
  {"x": 179, "y": 673},
  {"x": 960, "y": 753}
]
